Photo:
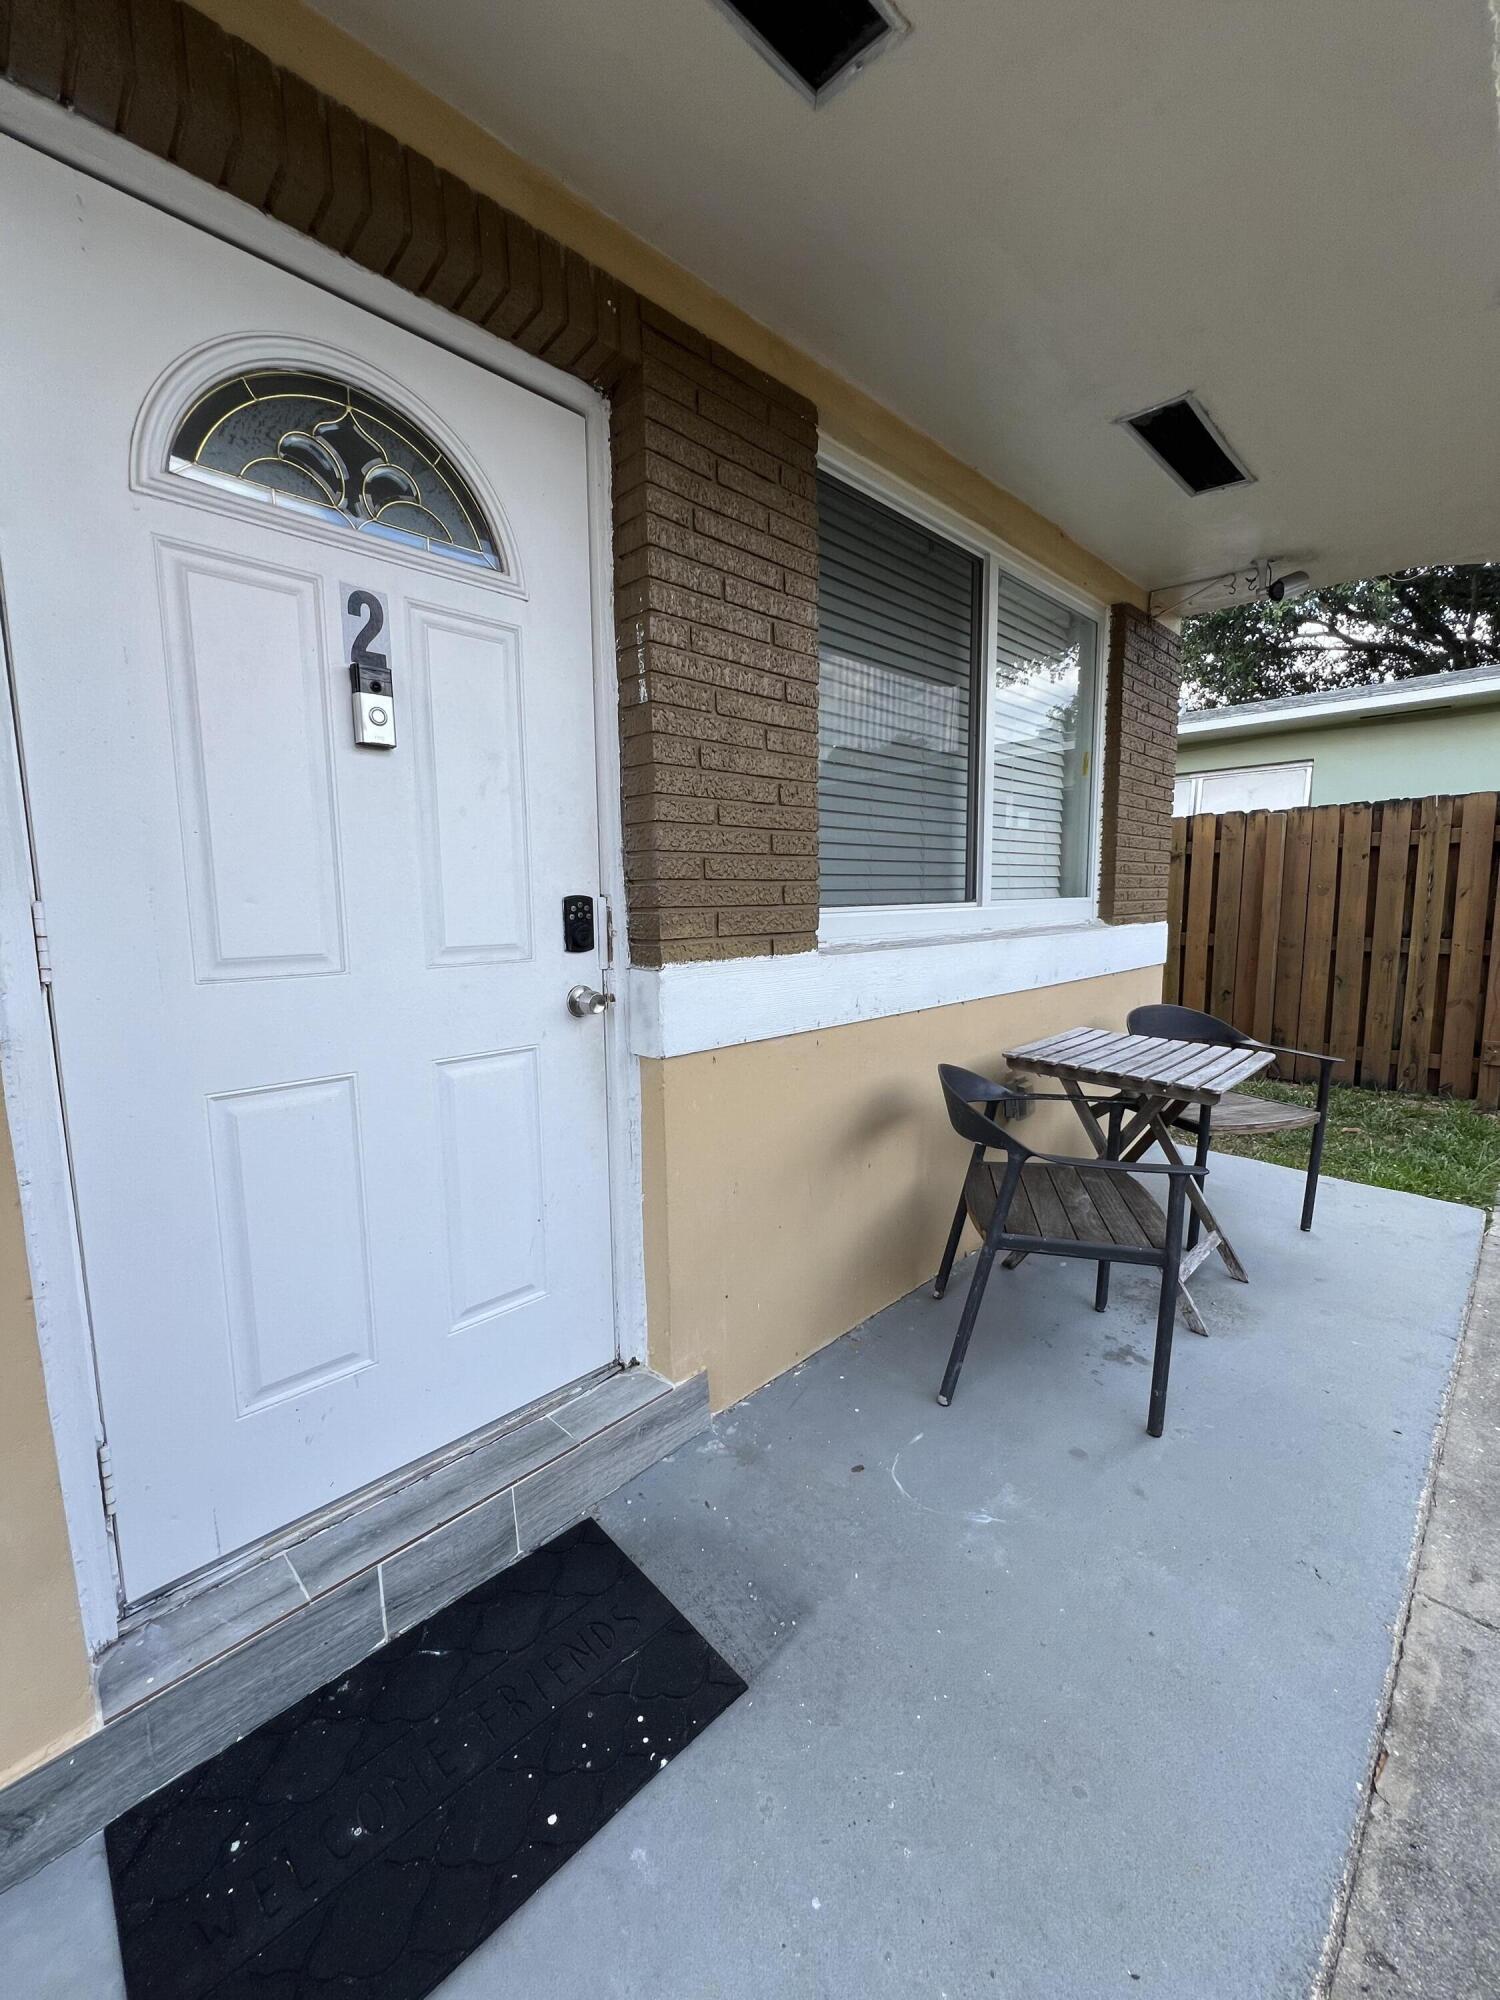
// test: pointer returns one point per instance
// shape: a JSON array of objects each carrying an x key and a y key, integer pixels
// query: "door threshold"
[
  {"x": 212, "y": 1665},
  {"x": 162, "y": 1603},
  {"x": 168, "y": 1637}
]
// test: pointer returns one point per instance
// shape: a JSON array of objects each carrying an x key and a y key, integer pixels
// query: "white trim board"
[
  {"x": 31, "y": 1092},
  {"x": 680, "y": 1010}
]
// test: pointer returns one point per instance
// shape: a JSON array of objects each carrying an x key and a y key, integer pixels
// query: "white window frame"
[
  {"x": 1194, "y": 780},
  {"x": 927, "y": 923}
]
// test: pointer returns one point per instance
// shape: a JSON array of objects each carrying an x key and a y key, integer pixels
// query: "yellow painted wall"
[
  {"x": 299, "y": 39},
  {"x": 46, "y": 1700},
  {"x": 795, "y": 1186}
]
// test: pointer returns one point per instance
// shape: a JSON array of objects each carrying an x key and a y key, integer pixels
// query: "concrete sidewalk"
[{"x": 1423, "y": 1919}]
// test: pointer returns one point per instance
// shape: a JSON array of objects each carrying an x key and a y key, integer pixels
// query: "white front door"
[{"x": 338, "y": 1148}]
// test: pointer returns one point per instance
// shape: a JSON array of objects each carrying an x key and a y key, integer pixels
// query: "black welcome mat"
[{"x": 365, "y": 1841}]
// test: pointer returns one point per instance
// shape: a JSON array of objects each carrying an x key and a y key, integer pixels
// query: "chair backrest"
[
  {"x": 962, "y": 1090},
  {"x": 1183, "y": 1024}
]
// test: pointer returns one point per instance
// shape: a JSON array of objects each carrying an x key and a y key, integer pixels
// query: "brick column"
[
  {"x": 716, "y": 606},
  {"x": 1140, "y": 763}
]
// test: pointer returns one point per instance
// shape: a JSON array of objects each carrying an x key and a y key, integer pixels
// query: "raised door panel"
[
  {"x": 250, "y": 730},
  {"x": 472, "y": 778},
  {"x": 489, "y": 1115},
  {"x": 289, "y": 1182}
]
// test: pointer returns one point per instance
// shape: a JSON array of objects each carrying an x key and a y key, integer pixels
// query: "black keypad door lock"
[{"x": 578, "y": 923}]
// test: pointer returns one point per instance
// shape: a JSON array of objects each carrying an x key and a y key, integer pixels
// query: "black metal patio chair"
[
  {"x": 1041, "y": 1204},
  {"x": 1237, "y": 1115}
]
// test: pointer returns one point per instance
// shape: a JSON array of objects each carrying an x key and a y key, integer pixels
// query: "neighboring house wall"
[
  {"x": 1396, "y": 757},
  {"x": 794, "y": 1181}
]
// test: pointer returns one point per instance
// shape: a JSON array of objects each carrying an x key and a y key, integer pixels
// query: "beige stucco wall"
[
  {"x": 795, "y": 1186},
  {"x": 45, "y": 1697}
]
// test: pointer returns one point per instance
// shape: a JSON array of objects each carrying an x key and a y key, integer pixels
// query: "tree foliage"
[{"x": 1389, "y": 628}]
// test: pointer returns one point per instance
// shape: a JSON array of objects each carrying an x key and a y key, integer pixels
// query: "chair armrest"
[{"x": 1307, "y": 1055}]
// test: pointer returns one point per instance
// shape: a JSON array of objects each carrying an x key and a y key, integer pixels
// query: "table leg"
[
  {"x": 1150, "y": 1110},
  {"x": 1215, "y": 1239}
]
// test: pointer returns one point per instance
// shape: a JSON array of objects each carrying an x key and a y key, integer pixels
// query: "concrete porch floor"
[{"x": 1039, "y": 1707}]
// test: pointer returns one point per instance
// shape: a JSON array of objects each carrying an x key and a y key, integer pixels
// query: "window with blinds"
[
  {"x": 941, "y": 780},
  {"x": 1041, "y": 715},
  {"x": 899, "y": 629}
]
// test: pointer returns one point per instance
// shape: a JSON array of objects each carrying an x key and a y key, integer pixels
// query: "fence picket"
[
  {"x": 1429, "y": 906},
  {"x": 1286, "y": 996},
  {"x": 1487, "y": 1087},
  {"x": 1270, "y": 925},
  {"x": 1252, "y": 875},
  {"x": 1317, "y": 943},
  {"x": 1382, "y": 1010},
  {"x": 1472, "y": 904},
  {"x": 1227, "y": 914},
  {"x": 1171, "y": 985},
  {"x": 1199, "y": 919},
  {"x": 1346, "y": 1017}
]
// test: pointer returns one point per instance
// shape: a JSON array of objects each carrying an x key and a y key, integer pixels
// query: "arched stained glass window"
[{"x": 325, "y": 446}]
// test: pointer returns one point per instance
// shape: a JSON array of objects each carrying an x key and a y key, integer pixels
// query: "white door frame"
[{"x": 28, "y": 1065}]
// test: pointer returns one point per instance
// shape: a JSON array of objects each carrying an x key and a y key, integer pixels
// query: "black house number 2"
[{"x": 370, "y": 607}]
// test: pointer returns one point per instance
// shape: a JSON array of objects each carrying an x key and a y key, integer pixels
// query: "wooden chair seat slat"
[
  {"x": 1146, "y": 1209},
  {"x": 1237, "y": 1114},
  {"x": 1079, "y": 1204}
]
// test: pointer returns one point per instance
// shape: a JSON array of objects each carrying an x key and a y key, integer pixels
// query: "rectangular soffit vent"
[
  {"x": 817, "y": 45},
  {"x": 1183, "y": 437}
]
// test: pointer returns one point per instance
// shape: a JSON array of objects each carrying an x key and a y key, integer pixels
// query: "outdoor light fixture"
[{"x": 1248, "y": 585}]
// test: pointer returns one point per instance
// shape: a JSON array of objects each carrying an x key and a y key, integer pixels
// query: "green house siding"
[{"x": 1392, "y": 757}]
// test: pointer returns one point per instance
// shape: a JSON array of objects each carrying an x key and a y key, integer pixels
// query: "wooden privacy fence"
[{"x": 1368, "y": 930}]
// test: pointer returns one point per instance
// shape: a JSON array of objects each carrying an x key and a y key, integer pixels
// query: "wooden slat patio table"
[{"x": 1155, "y": 1078}]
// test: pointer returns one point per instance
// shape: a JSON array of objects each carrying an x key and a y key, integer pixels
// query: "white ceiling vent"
[
  {"x": 1186, "y": 442},
  {"x": 817, "y": 45}
]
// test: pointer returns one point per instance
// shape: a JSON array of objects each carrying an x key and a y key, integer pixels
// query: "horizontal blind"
[
  {"x": 898, "y": 632},
  {"x": 1041, "y": 717}
]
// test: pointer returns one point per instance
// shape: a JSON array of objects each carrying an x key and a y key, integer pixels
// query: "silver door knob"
[{"x": 586, "y": 1000}]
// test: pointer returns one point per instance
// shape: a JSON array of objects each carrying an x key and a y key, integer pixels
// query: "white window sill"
[
  {"x": 949, "y": 923},
  {"x": 717, "y": 1004}
]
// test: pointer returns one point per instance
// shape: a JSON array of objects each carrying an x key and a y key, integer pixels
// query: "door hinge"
[
  {"x": 43, "y": 943},
  {"x": 107, "y": 1478}
]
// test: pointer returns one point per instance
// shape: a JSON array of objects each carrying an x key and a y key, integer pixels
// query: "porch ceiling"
[{"x": 1027, "y": 221}]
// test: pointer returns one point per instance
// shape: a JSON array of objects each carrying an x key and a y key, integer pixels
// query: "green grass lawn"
[{"x": 1441, "y": 1146}]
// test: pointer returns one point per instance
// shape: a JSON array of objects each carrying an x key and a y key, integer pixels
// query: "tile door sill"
[
  {"x": 200, "y": 1672},
  {"x": 399, "y": 1524}
]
